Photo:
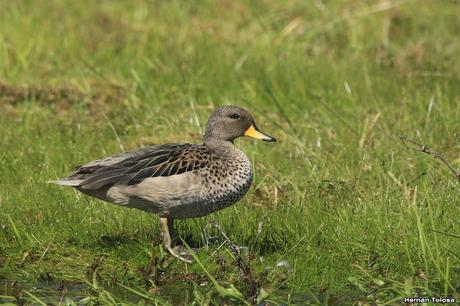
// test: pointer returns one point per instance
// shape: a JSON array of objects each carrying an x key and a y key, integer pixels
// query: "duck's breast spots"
[
  {"x": 226, "y": 182},
  {"x": 223, "y": 183}
]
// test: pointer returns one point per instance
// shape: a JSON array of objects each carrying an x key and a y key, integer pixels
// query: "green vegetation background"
[{"x": 339, "y": 210}]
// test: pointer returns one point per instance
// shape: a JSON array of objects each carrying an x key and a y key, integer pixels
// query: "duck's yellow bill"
[{"x": 254, "y": 133}]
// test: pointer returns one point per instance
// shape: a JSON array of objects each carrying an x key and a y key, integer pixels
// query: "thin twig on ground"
[
  {"x": 414, "y": 146},
  {"x": 252, "y": 283}
]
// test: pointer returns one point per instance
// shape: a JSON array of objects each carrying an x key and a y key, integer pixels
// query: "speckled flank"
[{"x": 225, "y": 182}]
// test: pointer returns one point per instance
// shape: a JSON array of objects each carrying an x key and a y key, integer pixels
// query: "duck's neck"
[{"x": 220, "y": 145}]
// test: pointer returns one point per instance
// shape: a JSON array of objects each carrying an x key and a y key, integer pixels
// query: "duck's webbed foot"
[{"x": 167, "y": 228}]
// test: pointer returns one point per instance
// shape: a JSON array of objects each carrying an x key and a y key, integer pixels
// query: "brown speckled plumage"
[{"x": 177, "y": 181}]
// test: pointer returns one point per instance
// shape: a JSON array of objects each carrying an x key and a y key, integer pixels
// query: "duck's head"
[{"x": 230, "y": 122}]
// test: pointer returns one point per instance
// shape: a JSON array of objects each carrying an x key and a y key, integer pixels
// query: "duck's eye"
[{"x": 235, "y": 116}]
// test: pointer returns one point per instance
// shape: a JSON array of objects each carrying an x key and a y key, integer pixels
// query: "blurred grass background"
[{"x": 339, "y": 209}]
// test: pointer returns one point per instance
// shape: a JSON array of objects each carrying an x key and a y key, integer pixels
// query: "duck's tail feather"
[{"x": 67, "y": 182}]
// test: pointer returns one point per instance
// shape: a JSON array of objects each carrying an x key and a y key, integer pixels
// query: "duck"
[{"x": 177, "y": 180}]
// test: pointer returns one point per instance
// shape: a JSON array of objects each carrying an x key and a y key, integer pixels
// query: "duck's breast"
[{"x": 225, "y": 184}]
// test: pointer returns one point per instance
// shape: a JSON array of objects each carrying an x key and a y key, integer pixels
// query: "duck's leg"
[
  {"x": 166, "y": 227},
  {"x": 172, "y": 231}
]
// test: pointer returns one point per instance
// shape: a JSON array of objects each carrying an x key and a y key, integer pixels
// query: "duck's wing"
[{"x": 135, "y": 166}]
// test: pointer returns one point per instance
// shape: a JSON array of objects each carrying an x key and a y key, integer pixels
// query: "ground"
[{"x": 340, "y": 210}]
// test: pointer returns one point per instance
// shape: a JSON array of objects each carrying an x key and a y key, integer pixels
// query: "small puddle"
[
  {"x": 174, "y": 293},
  {"x": 52, "y": 292},
  {"x": 13, "y": 292}
]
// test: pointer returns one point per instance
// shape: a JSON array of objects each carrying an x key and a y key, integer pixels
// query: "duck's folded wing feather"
[{"x": 135, "y": 166}]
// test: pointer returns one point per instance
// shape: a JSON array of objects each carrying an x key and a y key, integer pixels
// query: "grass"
[{"x": 339, "y": 212}]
